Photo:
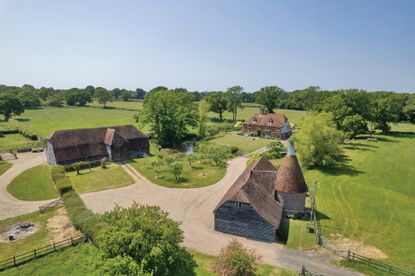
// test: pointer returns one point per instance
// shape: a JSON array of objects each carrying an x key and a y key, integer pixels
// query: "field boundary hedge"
[{"x": 82, "y": 218}]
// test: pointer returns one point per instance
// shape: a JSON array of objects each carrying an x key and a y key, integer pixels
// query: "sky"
[{"x": 209, "y": 45}]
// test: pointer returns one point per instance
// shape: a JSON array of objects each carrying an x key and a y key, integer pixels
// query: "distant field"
[
  {"x": 121, "y": 104},
  {"x": 44, "y": 121},
  {"x": 370, "y": 197}
]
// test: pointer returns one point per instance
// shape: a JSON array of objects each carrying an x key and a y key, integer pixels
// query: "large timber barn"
[
  {"x": 255, "y": 204},
  {"x": 88, "y": 144}
]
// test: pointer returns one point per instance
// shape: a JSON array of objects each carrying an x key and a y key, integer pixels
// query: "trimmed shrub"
[
  {"x": 62, "y": 183},
  {"x": 82, "y": 218}
]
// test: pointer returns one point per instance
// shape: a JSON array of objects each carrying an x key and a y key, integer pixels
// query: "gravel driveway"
[
  {"x": 10, "y": 206},
  {"x": 194, "y": 206}
]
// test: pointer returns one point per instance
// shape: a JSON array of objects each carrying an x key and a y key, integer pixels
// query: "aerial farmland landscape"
[{"x": 207, "y": 138}]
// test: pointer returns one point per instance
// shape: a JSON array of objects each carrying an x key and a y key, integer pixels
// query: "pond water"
[{"x": 189, "y": 147}]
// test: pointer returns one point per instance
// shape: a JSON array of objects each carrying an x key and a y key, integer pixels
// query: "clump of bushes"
[
  {"x": 235, "y": 260},
  {"x": 82, "y": 218}
]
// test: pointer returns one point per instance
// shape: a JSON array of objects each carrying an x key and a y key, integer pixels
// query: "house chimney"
[{"x": 262, "y": 110}]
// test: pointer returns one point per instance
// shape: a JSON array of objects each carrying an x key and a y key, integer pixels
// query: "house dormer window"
[
  {"x": 269, "y": 122},
  {"x": 254, "y": 119}
]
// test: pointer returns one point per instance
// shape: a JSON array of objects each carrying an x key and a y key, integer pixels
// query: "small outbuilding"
[{"x": 88, "y": 144}]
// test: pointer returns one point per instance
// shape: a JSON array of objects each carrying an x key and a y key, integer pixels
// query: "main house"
[
  {"x": 267, "y": 125},
  {"x": 257, "y": 201},
  {"x": 88, "y": 144}
]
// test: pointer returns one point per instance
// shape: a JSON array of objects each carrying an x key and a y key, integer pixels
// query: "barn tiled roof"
[
  {"x": 256, "y": 187},
  {"x": 290, "y": 179},
  {"x": 276, "y": 120},
  {"x": 72, "y": 144}
]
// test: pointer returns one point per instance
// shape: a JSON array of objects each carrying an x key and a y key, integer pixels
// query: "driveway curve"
[
  {"x": 194, "y": 207},
  {"x": 10, "y": 206}
]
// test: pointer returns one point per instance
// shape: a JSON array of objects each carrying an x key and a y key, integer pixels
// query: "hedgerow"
[{"x": 82, "y": 218}]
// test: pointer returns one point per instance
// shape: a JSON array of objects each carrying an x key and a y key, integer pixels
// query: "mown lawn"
[
  {"x": 370, "y": 197},
  {"x": 44, "y": 121},
  {"x": 100, "y": 179},
  {"x": 33, "y": 184},
  {"x": 38, "y": 239},
  {"x": 4, "y": 166},
  {"x": 199, "y": 175},
  {"x": 13, "y": 141},
  {"x": 298, "y": 236},
  {"x": 246, "y": 144},
  {"x": 81, "y": 260}
]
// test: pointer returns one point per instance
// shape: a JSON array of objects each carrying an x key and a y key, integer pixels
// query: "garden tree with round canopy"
[
  {"x": 142, "y": 240},
  {"x": 268, "y": 96},
  {"x": 169, "y": 114},
  {"x": 10, "y": 105},
  {"x": 103, "y": 95},
  {"x": 317, "y": 140},
  {"x": 218, "y": 103}
]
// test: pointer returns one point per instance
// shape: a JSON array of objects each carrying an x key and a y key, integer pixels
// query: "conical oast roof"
[{"x": 290, "y": 178}]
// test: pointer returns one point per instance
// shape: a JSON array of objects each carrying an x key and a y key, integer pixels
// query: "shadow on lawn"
[{"x": 341, "y": 168}]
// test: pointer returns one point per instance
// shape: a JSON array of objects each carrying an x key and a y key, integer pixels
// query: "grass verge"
[{"x": 4, "y": 166}]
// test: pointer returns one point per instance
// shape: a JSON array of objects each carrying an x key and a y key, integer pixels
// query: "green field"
[
  {"x": 246, "y": 144},
  {"x": 33, "y": 184},
  {"x": 44, "y": 121},
  {"x": 100, "y": 179},
  {"x": 121, "y": 104},
  {"x": 39, "y": 239},
  {"x": 4, "y": 166},
  {"x": 13, "y": 141},
  {"x": 81, "y": 260},
  {"x": 298, "y": 236},
  {"x": 369, "y": 197}
]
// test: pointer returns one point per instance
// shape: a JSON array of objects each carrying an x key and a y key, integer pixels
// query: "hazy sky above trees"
[{"x": 209, "y": 45}]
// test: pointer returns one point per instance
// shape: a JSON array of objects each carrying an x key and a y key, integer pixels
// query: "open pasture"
[
  {"x": 369, "y": 197},
  {"x": 44, "y": 121},
  {"x": 136, "y": 105}
]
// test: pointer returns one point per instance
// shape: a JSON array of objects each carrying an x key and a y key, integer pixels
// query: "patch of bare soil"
[
  {"x": 60, "y": 226},
  {"x": 358, "y": 247},
  {"x": 18, "y": 231}
]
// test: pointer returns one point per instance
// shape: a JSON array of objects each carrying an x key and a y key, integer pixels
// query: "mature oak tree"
[
  {"x": 10, "y": 105},
  {"x": 218, "y": 103},
  {"x": 169, "y": 115},
  {"x": 268, "y": 97}
]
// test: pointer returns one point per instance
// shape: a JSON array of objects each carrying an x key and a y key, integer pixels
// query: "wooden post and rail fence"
[
  {"x": 40, "y": 252},
  {"x": 53, "y": 204},
  {"x": 348, "y": 255}
]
